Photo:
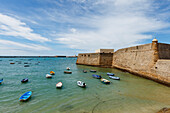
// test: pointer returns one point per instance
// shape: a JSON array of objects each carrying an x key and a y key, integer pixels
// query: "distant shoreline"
[{"x": 37, "y": 56}]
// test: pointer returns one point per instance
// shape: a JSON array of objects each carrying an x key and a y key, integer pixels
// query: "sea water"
[{"x": 132, "y": 94}]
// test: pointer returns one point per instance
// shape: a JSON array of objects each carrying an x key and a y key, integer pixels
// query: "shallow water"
[{"x": 132, "y": 94}]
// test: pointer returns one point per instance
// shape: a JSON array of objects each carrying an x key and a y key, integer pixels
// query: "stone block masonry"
[{"x": 149, "y": 60}]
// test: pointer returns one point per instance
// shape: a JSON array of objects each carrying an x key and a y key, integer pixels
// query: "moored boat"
[
  {"x": 94, "y": 71},
  {"x": 115, "y": 78},
  {"x": 52, "y": 72},
  {"x": 25, "y": 96},
  {"x": 67, "y": 72},
  {"x": 105, "y": 81},
  {"x": 12, "y": 63},
  {"x": 84, "y": 71},
  {"x": 97, "y": 76},
  {"x": 110, "y": 74},
  {"x": 81, "y": 84},
  {"x": 48, "y": 76},
  {"x": 59, "y": 85},
  {"x": 26, "y": 65},
  {"x": 68, "y": 68},
  {"x": 24, "y": 80},
  {"x": 1, "y": 80}
]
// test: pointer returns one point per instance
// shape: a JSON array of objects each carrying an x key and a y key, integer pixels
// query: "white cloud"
[
  {"x": 22, "y": 46},
  {"x": 10, "y": 26},
  {"x": 120, "y": 23},
  {"x": 73, "y": 30}
]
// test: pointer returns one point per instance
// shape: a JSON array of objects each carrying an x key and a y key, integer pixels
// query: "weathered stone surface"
[
  {"x": 149, "y": 60},
  {"x": 164, "y": 110}
]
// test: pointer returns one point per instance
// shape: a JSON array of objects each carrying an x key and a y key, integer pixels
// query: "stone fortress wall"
[
  {"x": 95, "y": 59},
  {"x": 149, "y": 60}
]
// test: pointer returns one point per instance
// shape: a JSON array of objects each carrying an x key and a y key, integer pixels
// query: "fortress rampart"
[
  {"x": 95, "y": 59},
  {"x": 149, "y": 60}
]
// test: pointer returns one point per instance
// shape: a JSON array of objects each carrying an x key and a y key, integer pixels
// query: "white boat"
[
  {"x": 115, "y": 78},
  {"x": 81, "y": 84},
  {"x": 59, "y": 85},
  {"x": 68, "y": 68},
  {"x": 48, "y": 76},
  {"x": 105, "y": 81}
]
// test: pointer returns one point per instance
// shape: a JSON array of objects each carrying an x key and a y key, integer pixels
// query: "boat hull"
[
  {"x": 25, "y": 97},
  {"x": 24, "y": 80},
  {"x": 48, "y": 76},
  {"x": 105, "y": 81},
  {"x": 52, "y": 73},
  {"x": 97, "y": 76},
  {"x": 59, "y": 85},
  {"x": 81, "y": 84},
  {"x": 67, "y": 72},
  {"x": 1, "y": 81},
  {"x": 94, "y": 71},
  {"x": 115, "y": 78},
  {"x": 110, "y": 74}
]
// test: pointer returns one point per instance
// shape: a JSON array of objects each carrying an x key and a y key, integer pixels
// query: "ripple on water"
[{"x": 130, "y": 94}]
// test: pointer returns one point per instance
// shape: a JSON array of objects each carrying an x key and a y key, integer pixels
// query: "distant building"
[{"x": 105, "y": 51}]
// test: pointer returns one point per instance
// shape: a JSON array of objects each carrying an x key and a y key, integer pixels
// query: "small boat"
[
  {"x": 110, "y": 74},
  {"x": 12, "y": 63},
  {"x": 52, "y": 72},
  {"x": 25, "y": 96},
  {"x": 115, "y": 78},
  {"x": 59, "y": 85},
  {"x": 84, "y": 71},
  {"x": 68, "y": 68},
  {"x": 81, "y": 84},
  {"x": 1, "y": 81},
  {"x": 48, "y": 76},
  {"x": 67, "y": 72},
  {"x": 94, "y": 71},
  {"x": 24, "y": 80},
  {"x": 26, "y": 65},
  {"x": 97, "y": 76},
  {"x": 105, "y": 81}
]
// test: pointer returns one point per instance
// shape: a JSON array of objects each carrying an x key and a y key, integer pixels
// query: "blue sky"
[{"x": 67, "y": 27}]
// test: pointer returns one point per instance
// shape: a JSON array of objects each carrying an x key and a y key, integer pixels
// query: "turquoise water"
[{"x": 131, "y": 94}]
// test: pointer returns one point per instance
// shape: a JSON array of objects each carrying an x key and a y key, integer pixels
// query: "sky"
[{"x": 69, "y": 27}]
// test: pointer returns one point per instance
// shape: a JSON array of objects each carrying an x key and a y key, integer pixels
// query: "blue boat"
[
  {"x": 97, "y": 76},
  {"x": 25, "y": 96},
  {"x": 1, "y": 81},
  {"x": 110, "y": 74},
  {"x": 115, "y": 78}
]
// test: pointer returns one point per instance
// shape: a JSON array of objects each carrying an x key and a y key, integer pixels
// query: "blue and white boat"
[
  {"x": 115, "y": 78},
  {"x": 81, "y": 84},
  {"x": 97, "y": 76},
  {"x": 25, "y": 96},
  {"x": 1, "y": 81},
  {"x": 110, "y": 74}
]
